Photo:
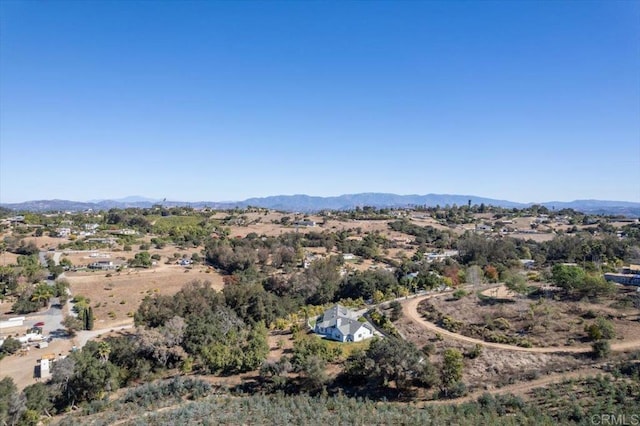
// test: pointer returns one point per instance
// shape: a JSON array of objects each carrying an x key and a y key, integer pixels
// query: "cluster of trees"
[
  {"x": 578, "y": 283},
  {"x": 369, "y": 247},
  {"x": 309, "y": 359},
  {"x": 218, "y": 334},
  {"x": 181, "y": 226},
  {"x": 475, "y": 249},
  {"x": 387, "y": 364},
  {"x": 395, "y": 361},
  {"x": 425, "y": 235},
  {"x": 583, "y": 248},
  {"x": 141, "y": 260},
  {"x": 195, "y": 329},
  {"x": 32, "y": 298}
]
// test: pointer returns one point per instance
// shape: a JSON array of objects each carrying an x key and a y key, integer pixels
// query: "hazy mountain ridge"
[{"x": 307, "y": 203}]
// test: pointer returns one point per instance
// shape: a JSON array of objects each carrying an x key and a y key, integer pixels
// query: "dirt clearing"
[{"x": 115, "y": 296}]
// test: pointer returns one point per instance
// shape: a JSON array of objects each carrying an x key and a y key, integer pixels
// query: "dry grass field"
[
  {"x": 114, "y": 298},
  {"x": 538, "y": 237},
  {"x": 262, "y": 224}
]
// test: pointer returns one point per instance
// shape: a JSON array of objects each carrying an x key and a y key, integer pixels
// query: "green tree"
[
  {"x": 517, "y": 283},
  {"x": 314, "y": 370},
  {"x": 10, "y": 346},
  {"x": 88, "y": 318},
  {"x": 452, "y": 366},
  {"x": 24, "y": 304},
  {"x": 257, "y": 347},
  {"x": 12, "y": 403},
  {"x": 72, "y": 324},
  {"x": 141, "y": 260},
  {"x": 103, "y": 351},
  {"x": 42, "y": 294},
  {"x": 601, "y": 329},
  {"x": 390, "y": 360},
  {"x": 39, "y": 398},
  {"x": 82, "y": 376}
]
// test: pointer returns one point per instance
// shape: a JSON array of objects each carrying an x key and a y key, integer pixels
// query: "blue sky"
[{"x": 199, "y": 100}]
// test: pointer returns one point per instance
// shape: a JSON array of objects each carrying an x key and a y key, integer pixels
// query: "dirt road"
[
  {"x": 410, "y": 310},
  {"x": 84, "y": 336},
  {"x": 522, "y": 388}
]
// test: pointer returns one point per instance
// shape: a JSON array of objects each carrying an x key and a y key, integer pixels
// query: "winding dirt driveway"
[{"x": 410, "y": 310}]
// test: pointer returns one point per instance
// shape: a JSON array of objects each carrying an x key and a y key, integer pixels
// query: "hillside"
[{"x": 306, "y": 203}]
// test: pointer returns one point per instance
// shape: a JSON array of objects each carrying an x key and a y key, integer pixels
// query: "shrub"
[
  {"x": 601, "y": 329},
  {"x": 459, "y": 294},
  {"x": 475, "y": 352},
  {"x": 396, "y": 310},
  {"x": 451, "y": 324},
  {"x": 601, "y": 349},
  {"x": 10, "y": 346},
  {"x": 501, "y": 324}
]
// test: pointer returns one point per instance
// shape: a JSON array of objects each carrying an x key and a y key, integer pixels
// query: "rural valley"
[{"x": 174, "y": 314}]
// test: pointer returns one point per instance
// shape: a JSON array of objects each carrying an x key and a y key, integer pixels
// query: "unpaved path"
[
  {"x": 522, "y": 388},
  {"x": 410, "y": 310},
  {"x": 84, "y": 336}
]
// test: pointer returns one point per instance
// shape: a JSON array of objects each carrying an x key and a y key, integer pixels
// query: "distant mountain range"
[{"x": 306, "y": 203}]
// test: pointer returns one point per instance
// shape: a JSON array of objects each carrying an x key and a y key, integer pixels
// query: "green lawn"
[{"x": 349, "y": 347}]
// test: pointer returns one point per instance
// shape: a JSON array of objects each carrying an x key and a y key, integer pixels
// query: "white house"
[
  {"x": 63, "y": 232},
  {"x": 341, "y": 324}
]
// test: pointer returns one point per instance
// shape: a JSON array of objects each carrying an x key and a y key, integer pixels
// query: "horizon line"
[{"x": 122, "y": 199}]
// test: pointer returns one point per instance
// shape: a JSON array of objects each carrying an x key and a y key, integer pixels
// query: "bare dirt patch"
[
  {"x": 8, "y": 259},
  {"x": 22, "y": 368},
  {"x": 500, "y": 292}
]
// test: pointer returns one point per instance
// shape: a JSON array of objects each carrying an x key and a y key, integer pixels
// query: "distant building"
[
  {"x": 527, "y": 263},
  {"x": 439, "y": 257},
  {"x": 109, "y": 241},
  {"x": 124, "y": 232},
  {"x": 103, "y": 265},
  {"x": 630, "y": 275},
  {"x": 309, "y": 223},
  {"x": 63, "y": 232}
]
